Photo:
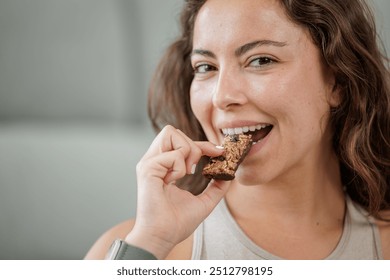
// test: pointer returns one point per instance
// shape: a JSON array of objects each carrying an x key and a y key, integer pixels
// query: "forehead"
[{"x": 244, "y": 20}]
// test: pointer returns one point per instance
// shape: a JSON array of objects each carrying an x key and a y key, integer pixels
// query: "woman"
[{"x": 315, "y": 185}]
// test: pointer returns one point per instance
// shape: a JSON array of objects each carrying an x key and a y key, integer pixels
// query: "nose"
[{"x": 229, "y": 90}]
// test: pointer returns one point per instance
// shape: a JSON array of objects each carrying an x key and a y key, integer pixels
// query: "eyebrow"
[
  {"x": 242, "y": 49},
  {"x": 203, "y": 53},
  {"x": 247, "y": 47}
]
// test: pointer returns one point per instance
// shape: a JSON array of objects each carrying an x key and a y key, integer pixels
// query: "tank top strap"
[{"x": 360, "y": 239}]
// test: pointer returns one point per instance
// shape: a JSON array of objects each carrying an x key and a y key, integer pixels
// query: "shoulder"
[
  {"x": 384, "y": 230},
  {"x": 100, "y": 248}
]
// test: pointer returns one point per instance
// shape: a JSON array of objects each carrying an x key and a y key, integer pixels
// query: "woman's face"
[{"x": 255, "y": 69}]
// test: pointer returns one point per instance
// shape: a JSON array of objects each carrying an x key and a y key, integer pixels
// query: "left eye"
[{"x": 261, "y": 61}]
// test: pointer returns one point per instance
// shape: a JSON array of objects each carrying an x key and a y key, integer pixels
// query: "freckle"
[{"x": 318, "y": 223}]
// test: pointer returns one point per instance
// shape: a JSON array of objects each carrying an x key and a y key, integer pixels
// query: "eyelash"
[
  {"x": 263, "y": 61},
  {"x": 203, "y": 65}
]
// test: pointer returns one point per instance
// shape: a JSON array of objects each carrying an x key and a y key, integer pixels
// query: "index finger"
[{"x": 209, "y": 149}]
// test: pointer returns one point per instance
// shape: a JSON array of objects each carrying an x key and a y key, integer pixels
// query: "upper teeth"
[{"x": 244, "y": 129}]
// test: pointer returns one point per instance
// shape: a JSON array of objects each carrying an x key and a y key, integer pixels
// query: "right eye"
[{"x": 204, "y": 68}]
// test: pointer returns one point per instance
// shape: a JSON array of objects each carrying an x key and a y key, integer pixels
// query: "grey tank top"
[{"x": 219, "y": 237}]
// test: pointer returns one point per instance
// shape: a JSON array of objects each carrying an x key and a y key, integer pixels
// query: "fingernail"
[
  {"x": 219, "y": 147},
  {"x": 193, "y": 168}
]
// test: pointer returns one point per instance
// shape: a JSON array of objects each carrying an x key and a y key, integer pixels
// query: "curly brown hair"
[{"x": 345, "y": 32}]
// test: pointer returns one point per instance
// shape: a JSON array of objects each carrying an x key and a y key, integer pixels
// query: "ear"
[
  {"x": 334, "y": 97},
  {"x": 334, "y": 90}
]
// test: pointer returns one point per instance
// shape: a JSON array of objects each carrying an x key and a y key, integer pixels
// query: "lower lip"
[{"x": 260, "y": 144}]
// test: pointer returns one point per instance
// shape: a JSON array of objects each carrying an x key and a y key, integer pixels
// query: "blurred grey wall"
[
  {"x": 80, "y": 59},
  {"x": 73, "y": 82},
  {"x": 381, "y": 9}
]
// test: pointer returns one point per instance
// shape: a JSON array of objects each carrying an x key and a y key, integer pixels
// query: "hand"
[{"x": 166, "y": 214}]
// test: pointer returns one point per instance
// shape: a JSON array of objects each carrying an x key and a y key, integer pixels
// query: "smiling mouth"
[{"x": 258, "y": 132}]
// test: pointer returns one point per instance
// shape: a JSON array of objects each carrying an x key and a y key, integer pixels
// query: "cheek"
[
  {"x": 202, "y": 107},
  {"x": 200, "y": 103},
  {"x": 305, "y": 101},
  {"x": 296, "y": 101}
]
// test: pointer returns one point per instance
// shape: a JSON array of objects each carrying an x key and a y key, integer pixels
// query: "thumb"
[{"x": 213, "y": 193}]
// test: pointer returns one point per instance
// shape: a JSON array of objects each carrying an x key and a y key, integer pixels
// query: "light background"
[{"x": 73, "y": 83}]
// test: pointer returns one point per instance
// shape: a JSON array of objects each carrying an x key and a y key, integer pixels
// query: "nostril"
[{"x": 226, "y": 103}]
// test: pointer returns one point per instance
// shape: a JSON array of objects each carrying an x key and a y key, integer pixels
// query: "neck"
[
  {"x": 285, "y": 214},
  {"x": 304, "y": 198}
]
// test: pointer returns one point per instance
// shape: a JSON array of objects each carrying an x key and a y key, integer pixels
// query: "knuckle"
[
  {"x": 197, "y": 152},
  {"x": 185, "y": 149},
  {"x": 139, "y": 167},
  {"x": 144, "y": 165},
  {"x": 179, "y": 154},
  {"x": 167, "y": 128}
]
